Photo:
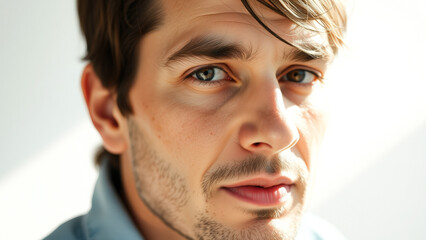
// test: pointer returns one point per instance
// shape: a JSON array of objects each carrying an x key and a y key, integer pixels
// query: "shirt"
[{"x": 109, "y": 219}]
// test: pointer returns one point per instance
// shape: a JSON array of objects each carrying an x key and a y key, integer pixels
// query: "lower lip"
[{"x": 261, "y": 196}]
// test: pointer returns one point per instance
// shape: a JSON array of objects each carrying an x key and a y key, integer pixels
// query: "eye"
[
  {"x": 300, "y": 76},
  {"x": 209, "y": 74}
]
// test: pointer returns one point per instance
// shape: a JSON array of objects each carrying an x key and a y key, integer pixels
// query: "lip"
[
  {"x": 264, "y": 182},
  {"x": 262, "y": 191}
]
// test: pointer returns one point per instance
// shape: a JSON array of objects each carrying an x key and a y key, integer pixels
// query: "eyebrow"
[
  {"x": 300, "y": 56},
  {"x": 304, "y": 56},
  {"x": 210, "y": 47},
  {"x": 216, "y": 48}
]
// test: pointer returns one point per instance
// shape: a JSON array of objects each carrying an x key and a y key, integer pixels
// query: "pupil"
[
  {"x": 297, "y": 75},
  {"x": 206, "y": 74}
]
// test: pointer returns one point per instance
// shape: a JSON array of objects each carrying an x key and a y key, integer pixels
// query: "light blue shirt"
[{"x": 109, "y": 219}]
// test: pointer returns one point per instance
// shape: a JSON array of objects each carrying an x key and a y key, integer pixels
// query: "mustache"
[{"x": 254, "y": 164}]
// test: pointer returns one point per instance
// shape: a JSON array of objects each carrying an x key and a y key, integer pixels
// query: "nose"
[{"x": 267, "y": 128}]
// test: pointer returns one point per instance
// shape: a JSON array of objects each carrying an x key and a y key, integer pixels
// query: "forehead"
[{"x": 186, "y": 19}]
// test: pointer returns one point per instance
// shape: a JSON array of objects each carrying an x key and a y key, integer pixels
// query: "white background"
[{"x": 372, "y": 176}]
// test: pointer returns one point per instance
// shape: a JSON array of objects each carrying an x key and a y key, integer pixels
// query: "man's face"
[{"x": 227, "y": 120}]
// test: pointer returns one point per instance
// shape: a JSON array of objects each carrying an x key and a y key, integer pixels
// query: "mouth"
[{"x": 261, "y": 192}]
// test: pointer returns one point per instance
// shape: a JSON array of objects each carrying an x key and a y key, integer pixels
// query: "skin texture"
[{"x": 186, "y": 138}]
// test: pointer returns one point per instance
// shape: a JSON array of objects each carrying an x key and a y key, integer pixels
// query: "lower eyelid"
[{"x": 201, "y": 83}]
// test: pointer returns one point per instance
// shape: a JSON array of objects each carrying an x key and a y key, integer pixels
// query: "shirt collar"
[{"x": 108, "y": 218}]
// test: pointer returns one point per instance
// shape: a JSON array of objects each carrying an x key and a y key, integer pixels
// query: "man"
[{"x": 211, "y": 113}]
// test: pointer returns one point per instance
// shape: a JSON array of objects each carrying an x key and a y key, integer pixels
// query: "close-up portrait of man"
[{"x": 211, "y": 114}]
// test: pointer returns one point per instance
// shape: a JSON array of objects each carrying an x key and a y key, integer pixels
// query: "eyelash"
[
  {"x": 216, "y": 83},
  {"x": 317, "y": 76},
  {"x": 282, "y": 78}
]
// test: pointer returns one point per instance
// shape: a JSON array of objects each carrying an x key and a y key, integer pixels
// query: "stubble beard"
[
  {"x": 163, "y": 191},
  {"x": 166, "y": 194},
  {"x": 209, "y": 229}
]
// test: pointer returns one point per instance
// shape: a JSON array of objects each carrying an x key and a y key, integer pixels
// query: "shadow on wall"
[{"x": 391, "y": 195}]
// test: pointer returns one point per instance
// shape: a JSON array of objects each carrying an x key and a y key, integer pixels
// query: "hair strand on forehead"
[{"x": 321, "y": 16}]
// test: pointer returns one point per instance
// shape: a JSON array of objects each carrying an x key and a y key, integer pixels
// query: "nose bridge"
[
  {"x": 267, "y": 128},
  {"x": 272, "y": 104},
  {"x": 270, "y": 110}
]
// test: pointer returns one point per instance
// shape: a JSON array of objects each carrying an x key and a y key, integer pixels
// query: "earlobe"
[{"x": 104, "y": 111}]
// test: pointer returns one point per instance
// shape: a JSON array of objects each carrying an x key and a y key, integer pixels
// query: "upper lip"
[{"x": 263, "y": 181}]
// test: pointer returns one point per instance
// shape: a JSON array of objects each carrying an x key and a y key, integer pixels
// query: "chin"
[{"x": 283, "y": 228}]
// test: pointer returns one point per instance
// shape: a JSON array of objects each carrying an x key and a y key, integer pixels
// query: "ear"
[{"x": 103, "y": 110}]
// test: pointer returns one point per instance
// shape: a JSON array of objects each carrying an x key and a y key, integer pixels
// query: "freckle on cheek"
[
  {"x": 144, "y": 105},
  {"x": 158, "y": 127}
]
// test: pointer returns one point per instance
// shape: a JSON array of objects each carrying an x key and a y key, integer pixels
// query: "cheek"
[
  {"x": 184, "y": 136},
  {"x": 183, "y": 129},
  {"x": 187, "y": 132},
  {"x": 312, "y": 123}
]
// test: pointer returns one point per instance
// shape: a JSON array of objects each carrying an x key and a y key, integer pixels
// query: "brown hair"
[
  {"x": 321, "y": 16},
  {"x": 113, "y": 30}
]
